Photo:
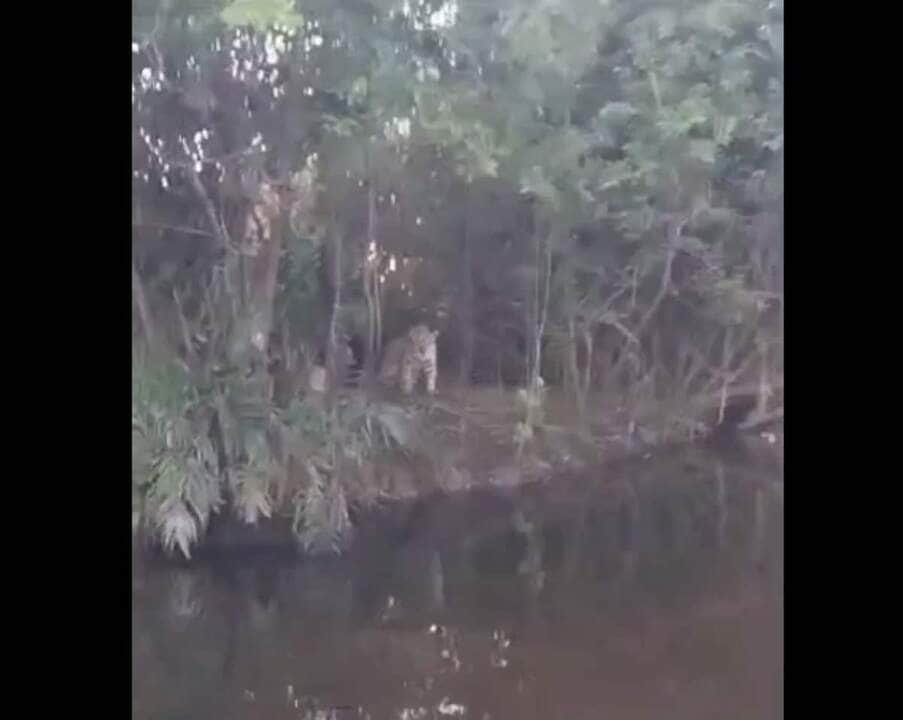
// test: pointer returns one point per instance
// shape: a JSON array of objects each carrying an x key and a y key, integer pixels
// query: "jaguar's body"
[{"x": 406, "y": 358}]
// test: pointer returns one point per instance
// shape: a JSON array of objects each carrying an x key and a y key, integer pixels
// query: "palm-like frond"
[
  {"x": 173, "y": 459},
  {"x": 321, "y": 520},
  {"x": 252, "y": 500},
  {"x": 177, "y": 528},
  {"x": 184, "y": 434}
]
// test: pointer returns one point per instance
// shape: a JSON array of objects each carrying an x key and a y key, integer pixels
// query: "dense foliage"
[{"x": 584, "y": 191}]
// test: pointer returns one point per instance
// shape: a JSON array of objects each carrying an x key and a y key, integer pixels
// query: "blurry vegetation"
[{"x": 583, "y": 196}]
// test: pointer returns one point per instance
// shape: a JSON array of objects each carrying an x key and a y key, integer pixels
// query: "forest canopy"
[{"x": 584, "y": 195}]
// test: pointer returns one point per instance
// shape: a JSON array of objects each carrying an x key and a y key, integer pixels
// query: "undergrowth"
[{"x": 203, "y": 448}]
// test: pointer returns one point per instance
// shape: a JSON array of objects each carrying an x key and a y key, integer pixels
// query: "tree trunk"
[
  {"x": 332, "y": 348},
  {"x": 263, "y": 245},
  {"x": 371, "y": 287},
  {"x": 726, "y": 355},
  {"x": 465, "y": 304},
  {"x": 574, "y": 367},
  {"x": 144, "y": 311}
]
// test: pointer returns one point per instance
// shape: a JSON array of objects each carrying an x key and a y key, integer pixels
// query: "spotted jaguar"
[{"x": 406, "y": 358}]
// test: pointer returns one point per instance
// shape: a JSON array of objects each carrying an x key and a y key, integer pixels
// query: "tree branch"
[
  {"x": 219, "y": 230},
  {"x": 176, "y": 228},
  {"x": 144, "y": 312}
]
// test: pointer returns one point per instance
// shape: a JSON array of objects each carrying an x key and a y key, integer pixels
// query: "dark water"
[{"x": 650, "y": 592}]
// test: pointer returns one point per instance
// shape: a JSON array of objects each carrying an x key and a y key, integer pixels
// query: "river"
[{"x": 652, "y": 590}]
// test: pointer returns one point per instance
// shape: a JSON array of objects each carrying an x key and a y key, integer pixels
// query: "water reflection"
[{"x": 647, "y": 591}]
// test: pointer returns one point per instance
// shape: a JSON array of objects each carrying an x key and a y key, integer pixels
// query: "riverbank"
[{"x": 480, "y": 457}]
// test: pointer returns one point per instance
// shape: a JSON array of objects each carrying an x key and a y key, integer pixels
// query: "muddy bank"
[{"x": 395, "y": 502}]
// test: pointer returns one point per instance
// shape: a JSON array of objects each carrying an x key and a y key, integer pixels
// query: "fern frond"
[
  {"x": 250, "y": 494},
  {"x": 321, "y": 520},
  {"x": 177, "y": 528}
]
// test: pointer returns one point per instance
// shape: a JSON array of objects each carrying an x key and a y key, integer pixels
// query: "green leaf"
[
  {"x": 398, "y": 423},
  {"x": 703, "y": 150},
  {"x": 653, "y": 26},
  {"x": 534, "y": 182},
  {"x": 359, "y": 89},
  {"x": 178, "y": 529},
  {"x": 724, "y": 127},
  {"x": 261, "y": 14},
  {"x": 617, "y": 114},
  {"x": 691, "y": 244}
]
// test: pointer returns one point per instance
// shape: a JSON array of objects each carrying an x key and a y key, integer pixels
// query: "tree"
[{"x": 591, "y": 188}]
